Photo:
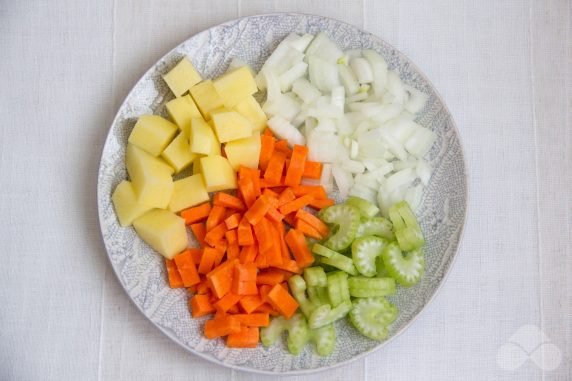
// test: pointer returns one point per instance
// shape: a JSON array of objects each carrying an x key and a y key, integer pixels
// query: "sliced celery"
[
  {"x": 378, "y": 226},
  {"x": 298, "y": 288},
  {"x": 338, "y": 289},
  {"x": 406, "y": 269},
  {"x": 345, "y": 220},
  {"x": 371, "y": 316},
  {"x": 334, "y": 259},
  {"x": 361, "y": 287},
  {"x": 298, "y": 334},
  {"x": 268, "y": 335},
  {"x": 325, "y": 314},
  {"x": 366, "y": 208},
  {"x": 315, "y": 277},
  {"x": 318, "y": 295},
  {"x": 325, "y": 339},
  {"x": 407, "y": 230},
  {"x": 364, "y": 252}
]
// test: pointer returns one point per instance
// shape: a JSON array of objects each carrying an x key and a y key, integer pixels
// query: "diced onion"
[
  {"x": 289, "y": 76},
  {"x": 362, "y": 70},
  {"x": 284, "y": 130},
  {"x": 323, "y": 74}
]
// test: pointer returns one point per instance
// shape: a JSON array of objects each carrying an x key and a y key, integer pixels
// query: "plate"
[{"x": 141, "y": 271}]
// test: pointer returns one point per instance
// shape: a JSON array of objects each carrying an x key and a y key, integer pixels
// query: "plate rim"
[{"x": 381, "y": 344}]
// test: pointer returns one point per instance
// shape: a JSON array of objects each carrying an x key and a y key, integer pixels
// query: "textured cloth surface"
[{"x": 504, "y": 70}]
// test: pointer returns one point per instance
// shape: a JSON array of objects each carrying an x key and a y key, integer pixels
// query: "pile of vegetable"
[{"x": 275, "y": 253}]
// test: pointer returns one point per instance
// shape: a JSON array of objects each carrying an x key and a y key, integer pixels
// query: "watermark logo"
[{"x": 529, "y": 343}]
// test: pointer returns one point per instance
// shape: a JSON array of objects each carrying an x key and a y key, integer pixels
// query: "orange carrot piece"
[
  {"x": 228, "y": 201},
  {"x": 227, "y": 301},
  {"x": 187, "y": 268},
  {"x": 175, "y": 280},
  {"x": 232, "y": 221},
  {"x": 263, "y": 234},
  {"x": 216, "y": 234},
  {"x": 312, "y": 170},
  {"x": 266, "y": 150},
  {"x": 260, "y": 260},
  {"x": 298, "y": 203},
  {"x": 244, "y": 288},
  {"x": 199, "y": 230},
  {"x": 207, "y": 260},
  {"x": 270, "y": 277},
  {"x": 313, "y": 221},
  {"x": 244, "y": 232},
  {"x": 250, "y": 303},
  {"x": 274, "y": 215},
  {"x": 233, "y": 251},
  {"x": 283, "y": 247},
  {"x": 274, "y": 253},
  {"x": 282, "y": 146},
  {"x": 196, "y": 213},
  {"x": 203, "y": 286},
  {"x": 222, "y": 326},
  {"x": 267, "y": 308},
  {"x": 252, "y": 174},
  {"x": 196, "y": 253},
  {"x": 247, "y": 337},
  {"x": 220, "y": 278},
  {"x": 215, "y": 217},
  {"x": 200, "y": 306},
  {"x": 290, "y": 219},
  {"x": 245, "y": 272},
  {"x": 299, "y": 248},
  {"x": 296, "y": 167},
  {"x": 257, "y": 211},
  {"x": 270, "y": 194},
  {"x": 231, "y": 236},
  {"x": 263, "y": 290},
  {"x": 282, "y": 301},
  {"x": 221, "y": 247},
  {"x": 268, "y": 132},
  {"x": 286, "y": 196},
  {"x": 317, "y": 191},
  {"x": 320, "y": 204},
  {"x": 254, "y": 320},
  {"x": 307, "y": 229},
  {"x": 273, "y": 173},
  {"x": 248, "y": 254},
  {"x": 271, "y": 183}
]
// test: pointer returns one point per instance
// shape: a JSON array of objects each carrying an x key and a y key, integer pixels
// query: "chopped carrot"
[
  {"x": 320, "y": 204},
  {"x": 312, "y": 170},
  {"x": 175, "y": 280},
  {"x": 299, "y": 248},
  {"x": 274, "y": 215},
  {"x": 267, "y": 308},
  {"x": 244, "y": 288},
  {"x": 245, "y": 272},
  {"x": 313, "y": 221},
  {"x": 290, "y": 219},
  {"x": 287, "y": 195},
  {"x": 274, "y": 253},
  {"x": 317, "y": 191},
  {"x": 250, "y": 303},
  {"x": 271, "y": 183},
  {"x": 282, "y": 146},
  {"x": 266, "y": 150},
  {"x": 254, "y": 320},
  {"x": 220, "y": 247},
  {"x": 203, "y": 287},
  {"x": 264, "y": 290},
  {"x": 254, "y": 175},
  {"x": 244, "y": 232},
  {"x": 200, "y": 306},
  {"x": 216, "y": 234},
  {"x": 196, "y": 213},
  {"x": 291, "y": 266},
  {"x": 248, "y": 254},
  {"x": 247, "y": 337},
  {"x": 221, "y": 326},
  {"x": 282, "y": 301},
  {"x": 220, "y": 278},
  {"x": 270, "y": 277},
  {"x": 233, "y": 250},
  {"x": 296, "y": 167},
  {"x": 199, "y": 230},
  {"x": 207, "y": 260},
  {"x": 263, "y": 234},
  {"x": 270, "y": 194},
  {"x": 257, "y": 211},
  {"x": 298, "y": 203},
  {"x": 246, "y": 188},
  {"x": 227, "y": 301},
  {"x": 231, "y": 236},
  {"x": 215, "y": 217},
  {"x": 307, "y": 229},
  {"x": 228, "y": 201},
  {"x": 268, "y": 132},
  {"x": 232, "y": 221},
  {"x": 196, "y": 253},
  {"x": 273, "y": 173},
  {"x": 187, "y": 268},
  {"x": 260, "y": 260}
]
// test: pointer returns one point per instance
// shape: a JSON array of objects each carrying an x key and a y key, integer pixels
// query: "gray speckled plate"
[{"x": 142, "y": 272}]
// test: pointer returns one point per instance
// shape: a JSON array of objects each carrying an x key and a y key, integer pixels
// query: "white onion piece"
[
  {"x": 398, "y": 165},
  {"x": 353, "y": 166},
  {"x": 284, "y": 130},
  {"x": 322, "y": 146},
  {"x": 420, "y": 142},
  {"x": 399, "y": 179},
  {"x": 357, "y": 97},
  {"x": 401, "y": 129},
  {"x": 367, "y": 179},
  {"x": 344, "y": 180},
  {"x": 323, "y": 74},
  {"x": 338, "y": 97},
  {"x": 321, "y": 46},
  {"x": 302, "y": 42},
  {"x": 271, "y": 84},
  {"x": 289, "y": 76},
  {"x": 326, "y": 179},
  {"x": 283, "y": 106},
  {"x": 423, "y": 171},
  {"x": 348, "y": 79},
  {"x": 343, "y": 126},
  {"x": 362, "y": 70},
  {"x": 379, "y": 69},
  {"x": 395, "y": 87},
  {"x": 353, "y": 53},
  {"x": 413, "y": 196},
  {"x": 392, "y": 145},
  {"x": 388, "y": 112},
  {"x": 416, "y": 101},
  {"x": 354, "y": 150},
  {"x": 282, "y": 58},
  {"x": 305, "y": 90},
  {"x": 363, "y": 192},
  {"x": 326, "y": 125}
]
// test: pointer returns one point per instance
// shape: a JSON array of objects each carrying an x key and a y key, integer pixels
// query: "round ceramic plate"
[{"x": 141, "y": 271}]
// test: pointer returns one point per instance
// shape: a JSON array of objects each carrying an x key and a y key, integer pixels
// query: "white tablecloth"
[{"x": 504, "y": 69}]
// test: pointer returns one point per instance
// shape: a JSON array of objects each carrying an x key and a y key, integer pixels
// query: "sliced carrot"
[
  {"x": 263, "y": 290},
  {"x": 283, "y": 247},
  {"x": 234, "y": 310},
  {"x": 247, "y": 337},
  {"x": 227, "y": 301},
  {"x": 298, "y": 203},
  {"x": 244, "y": 232},
  {"x": 254, "y": 320},
  {"x": 271, "y": 183},
  {"x": 263, "y": 234},
  {"x": 216, "y": 233},
  {"x": 273, "y": 173},
  {"x": 248, "y": 254},
  {"x": 232, "y": 221},
  {"x": 274, "y": 253},
  {"x": 220, "y": 278},
  {"x": 270, "y": 277},
  {"x": 287, "y": 195},
  {"x": 268, "y": 132},
  {"x": 313, "y": 221},
  {"x": 222, "y": 326},
  {"x": 220, "y": 247},
  {"x": 245, "y": 272},
  {"x": 290, "y": 265},
  {"x": 307, "y": 229},
  {"x": 274, "y": 215},
  {"x": 257, "y": 211},
  {"x": 201, "y": 306},
  {"x": 233, "y": 250},
  {"x": 228, "y": 201},
  {"x": 290, "y": 219},
  {"x": 196, "y": 213},
  {"x": 199, "y": 230},
  {"x": 320, "y": 204},
  {"x": 250, "y": 303},
  {"x": 282, "y": 146},
  {"x": 203, "y": 287},
  {"x": 175, "y": 280},
  {"x": 196, "y": 253},
  {"x": 267, "y": 308},
  {"x": 296, "y": 167},
  {"x": 312, "y": 170},
  {"x": 231, "y": 236},
  {"x": 254, "y": 175},
  {"x": 244, "y": 288},
  {"x": 187, "y": 268},
  {"x": 260, "y": 260},
  {"x": 207, "y": 259},
  {"x": 215, "y": 217},
  {"x": 282, "y": 301},
  {"x": 266, "y": 150},
  {"x": 299, "y": 248},
  {"x": 317, "y": 191}
]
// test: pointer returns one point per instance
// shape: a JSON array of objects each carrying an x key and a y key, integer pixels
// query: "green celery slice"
[
  {"x": 345, "y": 219},
  {"x": 406, "y": 269},
  {"x": 378, "y": 226},
  {"x": 325, "y": 339},
  {"x": 318, "y": 295},
  {"x": 338, "y": 289},
  {"x": 298, "y": 289},
  {"x": 269, "y": 335},
  {"x": 325, "y": 314},
  {"x": 334, "y": 259},
  {"x": 407, "y": 230},
  {"x": 371, "y": 316},
  {"x": 361, "y": 287},
  {"x": 298, "y": 334},
  {"x": 366, "y": 208},
  {"x": 381, "y": 271},
  {"x": 364, "y": 252},
  {"x": 315, "y": 277}
]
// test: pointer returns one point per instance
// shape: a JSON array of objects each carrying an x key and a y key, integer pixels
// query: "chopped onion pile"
[{"x": 353, "y": 113}]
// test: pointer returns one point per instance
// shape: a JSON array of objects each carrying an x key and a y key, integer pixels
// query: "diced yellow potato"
[
  {"x": 217, "y": 173},
  {"x": 182, "y": 77},
  {"x": 163, "y": 230},
  {"x": 178, "y": 154},
  {"x": 243, "y": 152},
  {"x": 234, "y": 86},
  {"x": 215, "y": 144},
  {"x": 125, "y": 204},
  {"x": 202, "y": 138},
  {"x": 230, "y": 125},
  {"x": 197, "y": 166},
  {"x": 251, "y": 110},
  {"x": 152, "y": 134},
  {"x": 206, "y": 98},
  {"x": 188, "y": 192},
  {"x": 150, "y": 177},
  {"x": 182, "y": 110}
]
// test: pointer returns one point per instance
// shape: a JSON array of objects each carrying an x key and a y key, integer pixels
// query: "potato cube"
[
  {"x": 182, "y": 110},
  {"x": 178, "y": 154},
  {"x": 217, "y": 173},
  {"x": 202, "y": 138},
  {"x": 163, "y": 230},
  {"x": 152, "y": 134},
  {"x": 251, "y": 110},
  {"x": 206, "y": 98},
  {"x": 188, "y": 192},
  {"x": 230, "y": 125},
  {"x": 197, "y": 166},
  {"x": 182, "y": 77},
  {"x": 150, "y": 177},
  {"x": 234, "y": 86},
  {"x": 243, "y": 152},
  {"x": 125, "y": 204}
]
